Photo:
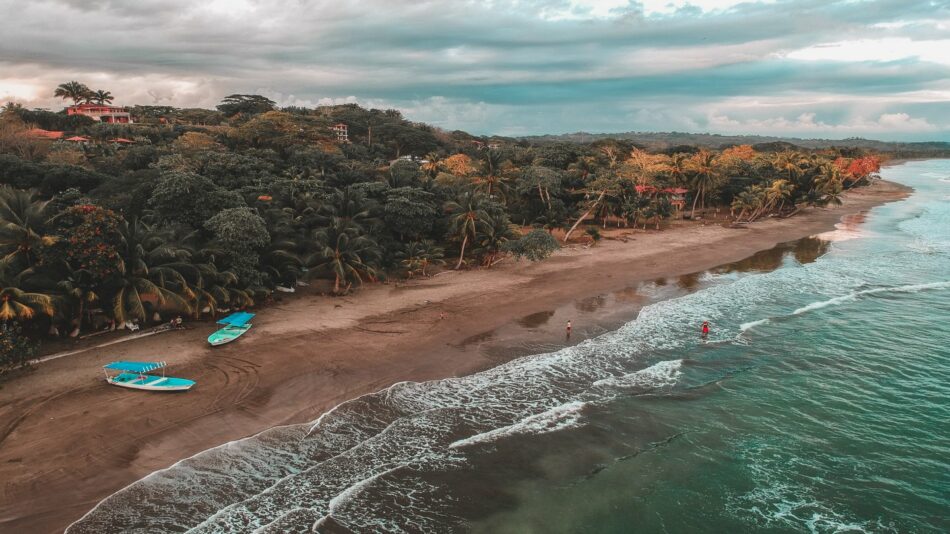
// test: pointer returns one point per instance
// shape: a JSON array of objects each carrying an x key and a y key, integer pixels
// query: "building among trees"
[
  {"x": 101, "y": 113},
  {"x": 340, "y": 130}
]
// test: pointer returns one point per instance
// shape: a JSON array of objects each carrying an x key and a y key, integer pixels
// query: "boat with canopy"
[
  {"x": 133, "y": 375},
  {"x": 234, "y": 327}
]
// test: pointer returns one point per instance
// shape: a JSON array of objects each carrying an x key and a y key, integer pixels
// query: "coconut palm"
[
  {"x": 493, "y": 235},
  {"x": 492, "y": 180},
  {"x": 102, "y": 97},
  {"x": 705, "y": 177},
  {"x": 829, "y": 185},
  {"x": 73, "y": 90},
  {"x": 18, "y": 305},
  {"x": 23, "y": 221},
  {"x": 345, "y": 253},
  {"x": 467, "y": 214},
  {"x": 135, "y": 285},
  {"x": 432, "y": 165},
  {"x": 417, "y": 256}
]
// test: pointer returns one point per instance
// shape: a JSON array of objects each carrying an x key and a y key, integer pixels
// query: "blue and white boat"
[
  {"x": 133, "y": 375},
  {"x": 234, "y": 327}
]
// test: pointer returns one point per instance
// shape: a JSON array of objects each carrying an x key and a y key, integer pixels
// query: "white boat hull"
[{"x": 152, "y": 383}]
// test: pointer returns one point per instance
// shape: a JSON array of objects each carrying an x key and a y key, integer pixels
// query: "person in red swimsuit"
[{"x": 705, "y": 329}]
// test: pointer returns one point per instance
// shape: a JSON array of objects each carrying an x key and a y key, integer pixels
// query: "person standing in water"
[
  {"x": 568, "y": 330},
  {"x": 705, "y": 329}
]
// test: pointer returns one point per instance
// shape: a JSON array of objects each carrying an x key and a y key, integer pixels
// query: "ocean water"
[{"x": 819, "y": 403}]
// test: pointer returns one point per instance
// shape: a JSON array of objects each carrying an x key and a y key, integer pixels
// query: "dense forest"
[{"x": 194, "y": 212}]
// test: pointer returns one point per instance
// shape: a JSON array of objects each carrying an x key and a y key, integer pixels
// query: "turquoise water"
[{"x": 819, "y": 403}]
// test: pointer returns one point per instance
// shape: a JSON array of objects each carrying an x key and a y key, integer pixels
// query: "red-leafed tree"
[{"x": 857, "y": 169}]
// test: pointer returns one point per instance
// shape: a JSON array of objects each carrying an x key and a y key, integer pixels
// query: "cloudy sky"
[{"x": 811, "y": 68}]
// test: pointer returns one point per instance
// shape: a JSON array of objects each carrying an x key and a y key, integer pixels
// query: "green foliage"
[
  {"x": 191, "y": 198},
  {"x": 240, "y": 232},
  {"x": 239, "y": 229},
  {"x": 536, "y": 245},
  {"x": 61, "y": 177},
  {"x": 16, "y": 349},
  {"x": 247, "y": 104},
  {"x": 409, "y": 211},
  {"x": 208, "y": 208},
  {"x": 594, "y": 233}
]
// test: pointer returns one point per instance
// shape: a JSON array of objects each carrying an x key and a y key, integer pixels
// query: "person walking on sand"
[{"x": 705, "y": 329}]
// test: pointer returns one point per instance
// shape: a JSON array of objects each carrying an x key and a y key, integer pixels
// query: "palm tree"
[
  {"x": 599, "y": 186},
  {"x": 678, "y": 169},
  {"x": 466, "y": 216},
  {"x": 790, "y": 163},
  {"x": 495, "y": 233},
  {"x": 745, "y": 202},
  {"x": 432, "y": 165},
  {"x": 829, "y": 184},
  {"x": 102, "y": 97},
  {"x": 345, "y": 253},
  {"x": 22, "y": 228},
  {"x": 74, "y": 288},
  {"x": 417, "y": 256},
  {"x": 492, "y": 178},
  {"x": 132, "y": 286},
  {"x": 72, "y": 90},
  {"x": 705, "y": 177},
  {"x": 18, "y": 305}
]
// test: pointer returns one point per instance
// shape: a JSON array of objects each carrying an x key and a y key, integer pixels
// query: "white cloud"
[
  {"x": 807, "y": 124},
  {"x": 888, "y": 49}
]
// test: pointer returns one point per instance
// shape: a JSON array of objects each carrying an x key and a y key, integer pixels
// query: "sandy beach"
[{"x": 67, "y": 439}]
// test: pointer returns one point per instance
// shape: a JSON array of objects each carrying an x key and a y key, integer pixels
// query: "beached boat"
[
  {"x": 133, "y": 375},
  {"x": 234, "y": 327}
]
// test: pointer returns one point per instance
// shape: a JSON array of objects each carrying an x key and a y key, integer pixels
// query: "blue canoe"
[
  {"x": 133, "y": 375},
  {"x": 234, "y": 327}
]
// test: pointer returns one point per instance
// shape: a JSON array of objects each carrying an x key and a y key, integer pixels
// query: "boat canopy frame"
[
  {"x": 236, "y": 319},
  {"x": 134, "y": 367}
]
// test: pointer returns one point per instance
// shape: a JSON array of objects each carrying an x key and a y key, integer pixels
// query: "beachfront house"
[{"x": 101, "y": 113}]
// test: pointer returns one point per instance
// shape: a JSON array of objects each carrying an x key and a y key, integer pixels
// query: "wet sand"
[{"x": 67, "y": 439}]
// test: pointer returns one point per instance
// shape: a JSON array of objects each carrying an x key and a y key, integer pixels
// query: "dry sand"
[{"x": 67, "y": 439}]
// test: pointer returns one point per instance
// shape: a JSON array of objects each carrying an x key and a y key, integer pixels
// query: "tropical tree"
[
  {"x": 345, "y": 253},
  {"x": 18, "y": 305},
  {"x": 705, "y": 177},
  {"x": 467, "y": 215},
  {"x": 596, "y": 193},
  {"x": 536, "y": 245},
  {"x": 101, "y": 97},
  {"x": 73, "y": 90},
  {"x": 23, "y": 222},
  {"x": 418, "y": 256}
]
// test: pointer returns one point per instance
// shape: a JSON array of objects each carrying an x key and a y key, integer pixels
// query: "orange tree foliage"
[
  {"x": 858, "y": 168},
  {"x": 459, "y": 165},
  {"x": 742, "y": 152}
]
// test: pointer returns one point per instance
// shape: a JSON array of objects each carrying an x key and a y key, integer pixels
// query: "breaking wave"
[{"x": 913, "y": 288}]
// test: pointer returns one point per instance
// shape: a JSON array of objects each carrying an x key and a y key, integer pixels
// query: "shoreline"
[{"x": 308, "y": 355}]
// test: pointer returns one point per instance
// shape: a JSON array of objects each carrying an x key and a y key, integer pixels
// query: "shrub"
[
  {"x": 536, "y": 245},
  {"x": 16, "y": 349}
]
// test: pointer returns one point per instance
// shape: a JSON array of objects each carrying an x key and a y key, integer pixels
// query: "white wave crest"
[
  {"x": 913, "y": 288},
  {"x": 658, "y": 375},
  {"x": 752, "y": 324},
  {"x": 557, "y": 418}
]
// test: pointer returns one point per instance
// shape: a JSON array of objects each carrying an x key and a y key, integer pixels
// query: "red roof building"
[
  {"x": 78, "y": 139},
  {"x": 39, "y": 133},
  {"x": 101, "y": 113}
]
